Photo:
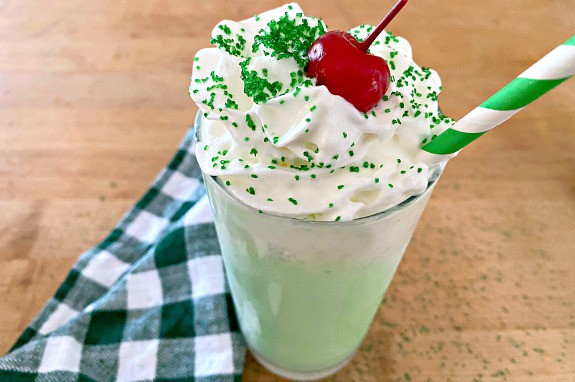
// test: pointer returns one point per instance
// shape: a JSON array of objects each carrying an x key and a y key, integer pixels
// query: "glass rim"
[{"x": 387, "y": 212}]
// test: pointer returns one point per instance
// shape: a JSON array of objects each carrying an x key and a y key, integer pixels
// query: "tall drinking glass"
[{"x": 305, "y": 292}]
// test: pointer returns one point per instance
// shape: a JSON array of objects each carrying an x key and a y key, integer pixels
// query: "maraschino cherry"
[{"x": 341, "y": 63}]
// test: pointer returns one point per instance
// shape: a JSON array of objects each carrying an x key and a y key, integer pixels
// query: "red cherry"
[
  {"x": 341, "y": 63},
  {"x": 337, "y": 62}
]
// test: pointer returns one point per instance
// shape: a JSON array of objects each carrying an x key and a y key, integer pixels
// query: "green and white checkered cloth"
[{"x": 149, "y": 303}]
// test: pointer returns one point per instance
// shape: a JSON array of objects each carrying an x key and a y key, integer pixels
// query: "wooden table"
[{"x": 93, "y": 102}]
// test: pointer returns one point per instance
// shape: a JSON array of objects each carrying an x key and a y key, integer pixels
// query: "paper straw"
[{"x": 554, "y": 68}]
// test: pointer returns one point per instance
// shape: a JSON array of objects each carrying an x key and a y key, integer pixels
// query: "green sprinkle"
[
  {"x": 331, "y": 205},
  {"x": 337, "y": 218},
  {"x": 351, "y": 153},
  {"x": 254, "y": 152},
  {"x": 225, "y": 28},
  {"x": 254, "y": 176},
  {"x": 250, "y": 122},
  {"x": 288, "y": 36},
  {"x": 230, "y": 104},
  {"x": 234, "y": 44},
  {"x": 246, "y": 139},
  {"x": 344, "y": 134},
  {"x": 340, "y": 187},
  {"x": 251, "y": 191},
  {"x": 365, "y": 164},
  {"x": 335, "y": 157},
  {"x": 313, "y": 108},
  {"x": 206, "y": 148},
  {"x": 297, "y": 177},
  {"x": 313, "y": 176},
  {"x": 308, "y": 120},
  {"x": 256, "y": 87},
  {"x": 260, "y": 211},
  {"x": 419, "y": 170},
  {"x": 390, "y": 185},
  {"x": 376, "y": 180},
  {"x": 270, "y": 200},
  {"x": 228, "y": 183},
  {"x": 353, "y": 169},
  {"x": 306, "y": 98},
  {"x": 293, "y": 201}
]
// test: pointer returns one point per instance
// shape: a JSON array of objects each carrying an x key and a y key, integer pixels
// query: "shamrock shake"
[{"x": 315, "y": 192}]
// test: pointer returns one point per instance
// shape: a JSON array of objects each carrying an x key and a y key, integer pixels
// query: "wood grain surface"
[{"x": 93, "y": 102}]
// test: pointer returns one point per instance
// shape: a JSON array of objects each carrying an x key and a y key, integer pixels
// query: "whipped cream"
[{"x": 283, "y": 145}]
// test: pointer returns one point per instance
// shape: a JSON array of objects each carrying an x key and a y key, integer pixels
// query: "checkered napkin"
[{"x": 150, "y": 303}]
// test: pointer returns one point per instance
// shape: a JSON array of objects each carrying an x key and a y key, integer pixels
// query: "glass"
[{"x": 305, "y": 292}]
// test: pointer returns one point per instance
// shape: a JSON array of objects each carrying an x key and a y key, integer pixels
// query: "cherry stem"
[{"x": 364, "y": 46}]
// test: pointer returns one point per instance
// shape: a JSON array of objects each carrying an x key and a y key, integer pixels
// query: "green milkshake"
[
  {"x": 305, "y": 292},
  {"x": 315, "y": 193}
]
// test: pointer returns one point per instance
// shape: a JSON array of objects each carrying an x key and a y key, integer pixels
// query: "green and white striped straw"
[{"x": 554, "y": 68}]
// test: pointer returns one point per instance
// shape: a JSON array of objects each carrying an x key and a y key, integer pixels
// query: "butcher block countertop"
[{"x": 94, "y": 101}]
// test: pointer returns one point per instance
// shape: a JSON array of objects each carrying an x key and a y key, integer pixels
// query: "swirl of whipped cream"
[{"x": 283, "y": 145}]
